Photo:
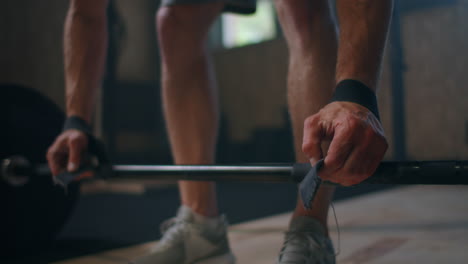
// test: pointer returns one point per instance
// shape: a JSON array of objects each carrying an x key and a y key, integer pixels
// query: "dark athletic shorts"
[{"x": 235, "y": 6}]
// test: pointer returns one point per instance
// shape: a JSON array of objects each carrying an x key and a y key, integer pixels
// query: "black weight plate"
[{"x": 31, "y": 215}]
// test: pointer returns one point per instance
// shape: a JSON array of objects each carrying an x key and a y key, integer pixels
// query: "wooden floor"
[{"x": 419, "y": 224}]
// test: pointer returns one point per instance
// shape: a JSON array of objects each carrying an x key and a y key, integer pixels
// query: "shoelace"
[
  {"x": 172, "y": 229},
  {"x": 297, "y": 246},
  {"x": 337, "y": 252}
]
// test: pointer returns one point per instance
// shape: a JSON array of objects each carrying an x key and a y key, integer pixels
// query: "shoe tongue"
[
  {"x": 306, "y": 224},
  {"x": 185, "y": 213}
]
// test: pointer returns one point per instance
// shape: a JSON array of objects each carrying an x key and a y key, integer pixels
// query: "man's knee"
[
  {"x": 179, "y": 24},
  {"x": 169, "y": 24},
  {"x": 89, "y": 8},
  {"x": 300, "y": 19}
]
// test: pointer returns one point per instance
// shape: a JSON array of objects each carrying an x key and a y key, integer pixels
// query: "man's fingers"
[
  {"x": 357, "y": 142},
  {"x": 363, "y": 163},
  {"x": 84, "y": 175},
  {"x": 340, "y": 148},
  {"x": 365, "y": 157},
  {"x": 76, "y": 146},
  {"x": 312, "y": 139},
  {"x": 356, "y": 167},
  {"x": 57, "y": 157},
  {"x": 56, "y": 163}
]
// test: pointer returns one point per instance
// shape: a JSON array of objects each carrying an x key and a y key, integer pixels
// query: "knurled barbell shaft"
[
  {"x": 252, "y": 173},
  {"x": 389, "y": 172}
]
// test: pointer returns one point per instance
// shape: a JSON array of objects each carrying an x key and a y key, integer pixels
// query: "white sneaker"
[
  {"x": 185, "y": 241},
  {"x": 306, "y": 243}
]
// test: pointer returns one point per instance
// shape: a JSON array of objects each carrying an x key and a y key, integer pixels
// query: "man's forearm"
[
  {"x": 363, "y": 33},
  {"x": 85, "y": 44}
]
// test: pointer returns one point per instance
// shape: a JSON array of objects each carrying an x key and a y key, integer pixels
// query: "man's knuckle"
[
  {"x": 53, "y": 151},
  {"x": 310, "y": 144},
  {"x": 317, "y": 117},
  {"x": 353, "y": 122},
  {"x": 307, "y": 122},
  {"x": 308, "y": 147},
  {"x": 61, "y": 137},
  {"x": 311, "y": 121},
  {"x": 76, "y": 139}
]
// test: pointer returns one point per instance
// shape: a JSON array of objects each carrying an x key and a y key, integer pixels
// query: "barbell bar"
[{"x": 16, "y": 170}]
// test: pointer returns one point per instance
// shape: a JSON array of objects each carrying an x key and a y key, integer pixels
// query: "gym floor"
[
  {"x": 417, "y": 224},
  {"x": 115, "y": 217}
]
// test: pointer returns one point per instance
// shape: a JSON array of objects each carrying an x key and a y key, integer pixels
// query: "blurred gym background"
[{"x": 422, "y": 97}]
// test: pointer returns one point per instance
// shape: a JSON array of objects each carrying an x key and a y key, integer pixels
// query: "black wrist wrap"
[
  {"x": 74, "y": 122},
  {"x": 356, "y": 92}
]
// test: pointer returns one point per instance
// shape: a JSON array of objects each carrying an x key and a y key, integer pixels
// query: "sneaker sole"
[{"x": 221, "y": 259}]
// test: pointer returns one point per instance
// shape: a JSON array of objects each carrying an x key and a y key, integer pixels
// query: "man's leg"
[
  {"x": 311, "y": 37},
  {"x": 197, "y": 234},
  {"x": 189, "y": 94},
  {"x": 312, "y": 41}
]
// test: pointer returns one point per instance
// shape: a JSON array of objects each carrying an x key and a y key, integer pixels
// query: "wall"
[
  {"x": 31, "y": 44},
  {"x": 138, "y": 60},
  {"x": 252, "y": 87},
  {"x": 437, "y": 96}
]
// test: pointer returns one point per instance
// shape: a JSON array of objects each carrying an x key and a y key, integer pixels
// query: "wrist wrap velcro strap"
[
  {"x": 356, "y": 92},
  {"x": 310, "y": 184}
]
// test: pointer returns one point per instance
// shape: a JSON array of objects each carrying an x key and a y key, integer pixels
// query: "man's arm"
[
  {"x": 364, "y": 28},
  {"x": 85, "y": 44},
  {"x": 357, "y": 140}
]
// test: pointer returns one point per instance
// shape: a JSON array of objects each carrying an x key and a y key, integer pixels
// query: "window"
[{"x": 241, "y": 30}]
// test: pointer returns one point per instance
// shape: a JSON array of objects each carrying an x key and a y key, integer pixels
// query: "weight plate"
[{"x": 32, "y": 215}]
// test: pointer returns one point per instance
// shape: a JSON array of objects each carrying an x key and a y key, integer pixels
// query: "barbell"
[
  {"x": 34, "y": 209},
  {"x": 17, "y": 171}
]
